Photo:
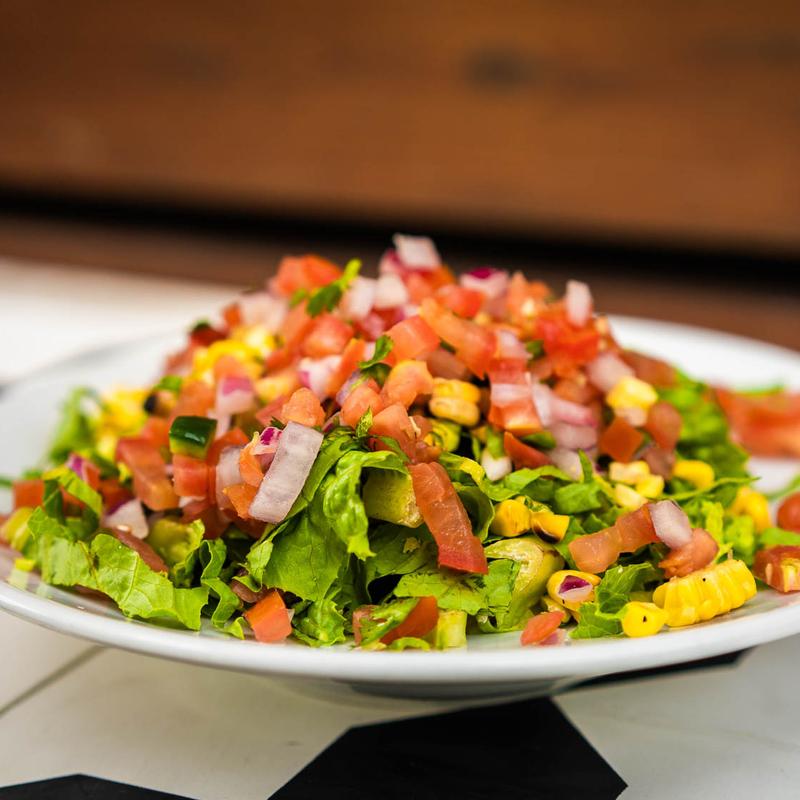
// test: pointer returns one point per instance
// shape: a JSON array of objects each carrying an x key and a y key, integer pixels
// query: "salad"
[{"x": 404, "y": 460}]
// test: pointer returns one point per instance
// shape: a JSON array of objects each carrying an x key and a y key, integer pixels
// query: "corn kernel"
[
  {"x": 273, "y": 386},
  {"x": 650, "y": 487},
  {"x": 255, "y": 336},
  {"x": 627, "y": 497},
  {"x": 24, "y": 564},
  {"x": 511, "y": 518},
  {"x": 460, "y": 390},
  {"x": 554, "y": 525},
  {"x": 697, "y": 472},
  {"x": 642, "y": 619},
  {"x": 461, "y": 411},
  {"x": 206, "y": 357},
  {"x": 631, "y": 392},
  {"x": 753, "y": 504},
  {"x": 631, "y": 473},
  {"x": 555, "y": 605},
  {"x": 557, "y": 578}
]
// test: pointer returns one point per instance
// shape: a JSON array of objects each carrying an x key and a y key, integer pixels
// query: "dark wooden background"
[{"x": 663, "y": 121}]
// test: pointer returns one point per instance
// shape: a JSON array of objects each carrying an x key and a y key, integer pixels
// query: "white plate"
[{"x": 489, "y": 666}]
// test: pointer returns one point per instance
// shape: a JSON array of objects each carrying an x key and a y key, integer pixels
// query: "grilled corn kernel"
[
  {"x": 461, "y": 411},
  {"x": 631, "y": 392},
  {"x": 628, "y": 473},
  {"x": 650, "y": 487},
  {"x": 557, "y": 578},
  {"x": 697, "y": 472},
  {"x": 555, "y": 605},
  {"x": 554, "y": 525},
  {"x": 206, "y": 357},
  {"x": 753, "y": 504},
  {"x": 511, "y": 518},
  {"x": 642, "y": 619},
  {"x": 123, "y": 409},
  {"x": 255, "y": 336},
  {"x": 273, "y": 386},
  {"x": 627, "y": 497},
  {"x": 706, "y": 593},
  {"x": 460, "y": 390}
]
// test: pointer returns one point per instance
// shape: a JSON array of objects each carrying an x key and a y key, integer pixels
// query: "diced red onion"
[
  {"x": 492, "y": 282},
  {"x": 552, "y": 408},
  {"x": 188, "y": 500},
  {"x": 372, "y": 325},
  {"x": 606, "y": 371},
  {"x": 267, "y": 442},
  {"x": 506, "y": 394},
  {"x": 77, "y": 464},
  {"x": 496, "y": 468},
  {"x": 567, "y": 461},
  {"x": 228, "y": 474},
  {"x": 574, "y": 589},
  {"x": 671, "y": 523},
  {"x": 223, "y": 423},
  {"x": 633, "y": 416},
  {"x": 416, "y": 252},
  {"x": 390, "y": 264},
  {"x": 574, "y": 437},
  {"x": 297, "y": 449},
  {"x": 359, "y": 298},
  {"x": 130, "y": 515},
  {"x": 509, "y": 346},
  {"x": 348, "y": 385},
  {"x": 315, "y": 373},
  {"x": 235, "y": 394},
  {"x": 390, "y": 291},
  {"x": 557, "y": 637},
  {"x": 578, "y": 303},
  {"x": 262, "y": 308},
  {"x": 331, "y": 423}
]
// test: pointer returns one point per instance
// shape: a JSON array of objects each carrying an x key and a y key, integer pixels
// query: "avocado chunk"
[{"x": 389, "y": 496}]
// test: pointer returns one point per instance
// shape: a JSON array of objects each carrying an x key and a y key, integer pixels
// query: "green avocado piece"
[{"x": 389, "y": 496}]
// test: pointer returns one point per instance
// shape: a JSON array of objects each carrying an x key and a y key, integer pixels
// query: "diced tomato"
[
  {"x": 567, "y": 346},
  {"x": 765, "y": 424},
  {"x": 620, "y": 440},
  {"x": 372, "y": 326},
  {"x": 443, "y": 364},
  {"x": 423, "y": 284},
  {"x": 156, "y": 430},
  {"x": 521, "y": 454},
  {"x": 228, "y": 366},
  {"x": 215, "y": 522},
  {"x": 303, "y": 272},
  {"x": 327, "y": 336},
  {"x": 650, "y": 370},
  {"x": 304, "y": 407},
  {"x": 29, "y": 493},
  {"x": 407, "y": 380},
  {"x": 235, "y": 437},
  {"x": 205, "y": 336},
  {"x": 779, "y": 567},
  {"x": 150, "y": 482},
  {"x": 365, "y": 395},
  {"x": 664, "y": 423},
  {"x": 353, "y": 353},
  {"x": 473, "y": 344},
  {"x": 596, "y": 552},
  {"x": 393, "y": 421},
  {"x": 280, "y": 359},
  {"x": 460, "y": 300},
  {"x": 114, "y": 494},
  {"x": 241, "y": 496},
  {"x": 524, "y": 299},
  {"x": 412, "y": 338},
  {"x": 515, "y": 414},
  {"x": 250, "y": 466},
  {"x": 447, "y": 520},
  {"x": 293, "y": 330},
  {"x": 232, "y": 314},
  {"x": 190, "y": 476},
  {"x": 789, "y": 513},
  {"x": 541, "y": 626},
  {"x": 697, "y": 553},
  {"x": 576, "y": 391},
  {"x": 195, "y": 400},
  {"x": 145, "y": 551},
  {"x": 420, "y": 622},
  {"x": 269, "y": 618}
]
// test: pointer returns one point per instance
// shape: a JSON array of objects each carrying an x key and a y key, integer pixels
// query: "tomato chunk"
[
  {"x": 407, "y": 381},
  {"x": 699, "y": 552},
  {"x": 190, "y": 476},
  {"x": 364, "y": 396},
  {"x": 779, "y": 567},
  {"x": 521, "y": 454},
  {"x": 768, "y": 424},
  {"x": 28, "y": 493},
  {"x": 413, "y": 338},
  {"x": 445, "y": 516},
  {"x": 650, "y": 370},
  {"x": 664, "y": 425},
  {"x": 303, "y": 407},
  {"x": 303, "y": 272},
  {"x": 145, "y": 551},
  {"x": 567, "y": 346},
  {"x": 789, "y": 513},
  {"x": 460, "y": 300},
  {"x": 241, "y": 496},
  {"x": 150, "y": 482},
  {"x": 420, "y": 622},
  {"x": 620, "y": 440},
  {"x": 327, "y": 336},
  {"x": 269, "y": 618},
  {"x": 539, "y": 627},
  {"x": 353, "y": 353}
]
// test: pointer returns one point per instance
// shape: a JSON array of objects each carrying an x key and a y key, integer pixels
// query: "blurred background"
[{"x": 650, "y": 148}]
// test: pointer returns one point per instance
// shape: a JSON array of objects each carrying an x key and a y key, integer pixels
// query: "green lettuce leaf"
[
  {"x": 595, "y": 623},
  {"x": 75, "y": 429},
  {"x": 772, "y": 537},
  {"x": 398, "y": 551},
  {"x": 385, "y": 618},
  {"x": 618, "y": 582},
  {"x": 321, "y": 624},
  {"x": 451, "y": 590},
  {"x": 213, "y": 553}
]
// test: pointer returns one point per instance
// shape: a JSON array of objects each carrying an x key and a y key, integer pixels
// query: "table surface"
[{"x": 725, "y": 730}]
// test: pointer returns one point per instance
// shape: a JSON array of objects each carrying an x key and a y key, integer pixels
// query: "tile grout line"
[{"x": 51, "y": 678}]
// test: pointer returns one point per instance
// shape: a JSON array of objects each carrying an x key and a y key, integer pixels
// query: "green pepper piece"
[{"x": 192, "y": 436}]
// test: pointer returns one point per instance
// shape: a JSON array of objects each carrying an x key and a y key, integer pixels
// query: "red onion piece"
[
  {"x": 574, "y": 589},
  {"x": 606, "y": 371},
  {"x": 506, "y": 394},
  {"x": 331, "y": 423},
  {"x": 574, "y": 437},
  {"x": 77, "y": 464},
  {"x": 188, "y": 500},
  {"x": 552, "y": 408},
  {"x": 509, "y": 346},
  {"x": 492, "y": 282},
  {"x": 262, "y": 308},
  {"x": 347, "y": 386},
  {"x": 671, "y": 523},
  {"x": 297, "y": 449},
  {"x": 555, "y": 638},
  {"x": 235, "y": 394},
  {"x": 416, "y": 252},
  {"x": 267, "y": 441},
  {"x": 228, "y": 474},
  {"x": 496, "y": 468},
  {"x": 131, "y": 516},
  {"x": 373, "y": 325},
  {"x": 567, "y": 461},
  {"x": 315, "y": 373},
  {"x": 359, "y": 298},
  {"x": 390, "y": 292},
  {"x": 578, "y": 303}
]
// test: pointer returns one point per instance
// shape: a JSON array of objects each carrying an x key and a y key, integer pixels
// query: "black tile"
[
  {"x": 81, "y": 787},
  {"x": 519, "y": 750}
]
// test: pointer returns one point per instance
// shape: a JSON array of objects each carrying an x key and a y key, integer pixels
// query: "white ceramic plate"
[{"x": 491, "y": 665}]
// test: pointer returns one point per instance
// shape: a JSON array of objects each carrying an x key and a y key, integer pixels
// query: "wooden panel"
[{"x": 675, "y": 119}]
